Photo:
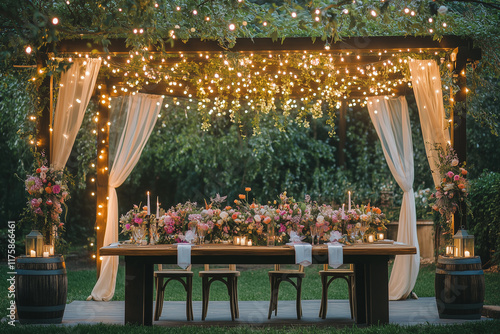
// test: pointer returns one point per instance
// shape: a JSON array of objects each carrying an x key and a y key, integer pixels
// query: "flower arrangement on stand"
[
  {"x": 48, "y": 191},
  {"x": 451, "y": 193}
]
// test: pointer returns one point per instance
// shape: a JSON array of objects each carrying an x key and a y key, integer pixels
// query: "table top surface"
[{"x": 229, "y": 249}]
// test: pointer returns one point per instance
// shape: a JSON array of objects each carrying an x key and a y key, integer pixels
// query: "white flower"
[
  {"x": 320, "y": 219},
  {"x": 442, "y": 10},
  {"x": 257, "y": 218},
  {"x": 454, "y": 162},
  {"x": 224, "y": 215},
  {"x": 448, "y": 186}
]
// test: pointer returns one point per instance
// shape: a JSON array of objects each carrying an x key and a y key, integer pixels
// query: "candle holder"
[
  {"x": 34, "y": 244},
  {"x": 370, "y": 238},
  {"x": 236, "y": 240},
  {"x": 380, "y": 236},
  {"x": 450, "y": 250},
  {"x": 464, "y": 243}
]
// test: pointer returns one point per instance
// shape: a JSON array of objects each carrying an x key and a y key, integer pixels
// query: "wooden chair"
[
  {"x": 277, "y": 276},
  {"x": 327, "y": 277},
  {"x": 227, "y": 276},
  {"x": 185, "y": 277}
]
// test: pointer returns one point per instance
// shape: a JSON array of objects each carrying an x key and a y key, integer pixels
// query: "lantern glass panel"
[{"x": 34, "y": 243}]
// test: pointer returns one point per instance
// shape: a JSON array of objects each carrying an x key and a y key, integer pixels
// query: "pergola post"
[
  {"x": 102, "y": 169},
  {"x": 459, "y": 122}
]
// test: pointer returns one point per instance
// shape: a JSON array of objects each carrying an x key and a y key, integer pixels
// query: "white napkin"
[
  {"x": 183, "y": 255},
  {"x": 303, "y": 254},
  {"x": 335, "y": 255}
]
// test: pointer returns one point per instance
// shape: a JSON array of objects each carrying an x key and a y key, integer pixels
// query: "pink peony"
[
  {"x": 456, "y": 178},
  {"x": 127, "y": 227},
  {"x": 56, "y": 189},
  {"x": 450, "y": 174}
]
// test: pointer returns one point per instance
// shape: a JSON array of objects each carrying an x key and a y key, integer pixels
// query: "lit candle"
[
  {"x": 467, "y": 254},
  {"x": 249, "y": 243},
  {"x": 32, "y": 253},
  {"x": 349, "y": 204},
  {"x": 381, "y": 236},
  {"x": 449, "y": 250},
  {"x": 243, "y": 241},
  {"x": 157, "y": 208},
  {"x": 456, "y": 251},
  {"x": 343, "y": 208},
  {"x": 370, "y": 238},
  {"x": 45, "y": 254},
  {"x": 236, "y": 240},
  {"x": 51, "y": 250},
  {"x": 149, "y": 205}
]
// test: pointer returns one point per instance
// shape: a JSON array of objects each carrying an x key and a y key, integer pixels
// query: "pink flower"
[
  {"x": 450, "y": 174},
  {"x": 138, "y": 220},
  {"x": 282, "y": 228},
  {"x": 127, "y": 227},
  {"x": 56, "y": 189},
  {"x": 39, "y": 211},
  {"x": 456, "y": 177}
]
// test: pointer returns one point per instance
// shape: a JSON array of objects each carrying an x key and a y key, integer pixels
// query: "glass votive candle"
[
  {"x": 49, "y": 249},
  {"x": 243, "y": 241},
  {"x": 371, "y": 238},
  {"x": 249, "y": 243},
  {"x": 236, "y": 240},
  {"x": 380, "y": 236},
  {"x": 45, "y": 254}
]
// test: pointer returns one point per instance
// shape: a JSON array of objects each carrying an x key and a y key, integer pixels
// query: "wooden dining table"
[{"x": 370, "y": 271}]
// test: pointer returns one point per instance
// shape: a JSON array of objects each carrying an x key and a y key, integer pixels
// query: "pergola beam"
[{"x": 291, "y": 44}]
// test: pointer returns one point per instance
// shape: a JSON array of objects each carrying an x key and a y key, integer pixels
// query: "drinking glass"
[{"x": 314, "y": 233}]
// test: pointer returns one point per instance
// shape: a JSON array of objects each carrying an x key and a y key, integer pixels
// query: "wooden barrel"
[
  {"x": 459, "y": 288},
  {"x": 41, "y": 289}
]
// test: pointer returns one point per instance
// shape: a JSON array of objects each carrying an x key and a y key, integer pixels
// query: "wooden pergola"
[{"x": 374, "y": 49}]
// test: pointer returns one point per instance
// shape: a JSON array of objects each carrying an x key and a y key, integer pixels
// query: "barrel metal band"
[
  {"x": 459, "y": 273},
  {"x": 55, "y": 259},
  {"x": 54, "y": 308},
  {"x": 26, "y": 272},
  {"x": 454, "y": 260}
]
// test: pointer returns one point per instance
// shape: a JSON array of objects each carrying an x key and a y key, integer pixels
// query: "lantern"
[
  {"x": 464, "y": 243},
  {"x": 34, "y": 244},
  {"x": 380, "y": 236}
]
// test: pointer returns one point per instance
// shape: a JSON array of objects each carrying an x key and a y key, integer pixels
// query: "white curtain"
[
  {"x": 142, "y": 113},
  {"x": 426, "y": 82},
  {"x": 392, "y": 123},
  {"x": 76, "y": 88}
]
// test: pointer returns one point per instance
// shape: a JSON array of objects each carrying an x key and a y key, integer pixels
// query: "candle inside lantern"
[
  {"x": 449, "y": 250},
  {"x": 49, "y": 249},
  {"x": 45, "y": 254},
  {"x": 32, "y": 253},
  {"x": 243, "y": 241},
  {"x": 249, "y": 243},
  {"x": 467, "y": 253},
  {"x": 370, "y": 238},
  {"x": 349, "y": 203},
  {"x": 149, "y": 206},
  {"x": 380, "y": 236}
]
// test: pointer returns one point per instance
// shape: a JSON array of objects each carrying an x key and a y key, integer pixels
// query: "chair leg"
[
  {"x": 159, "y": 298},
  {"x": 324, "y": 297},
  {"x": 230, "y": 290},
  {"x": 298, "y": 302},
  {"x": 205, "y": 295},
  {"x": 276, "y": 295},
  {"x": 189, "y": 298},
  {"x": 236, "y": 307},
  {"x": 271, "y": 302},
  {"x": 350, "y": 288}
]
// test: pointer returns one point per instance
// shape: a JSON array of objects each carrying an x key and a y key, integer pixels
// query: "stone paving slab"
[{"x": 254, "y": 313}]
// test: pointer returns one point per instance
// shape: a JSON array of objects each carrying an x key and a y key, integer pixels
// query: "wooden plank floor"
[{"x": 254, "y": 313}]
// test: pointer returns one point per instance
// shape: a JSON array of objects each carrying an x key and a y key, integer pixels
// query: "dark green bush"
[{"x": 484, "y": 218}]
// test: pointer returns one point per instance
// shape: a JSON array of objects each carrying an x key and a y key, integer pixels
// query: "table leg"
[
  {"x": 360, "y": 293},
  {"x": 138, "y": 291},
  {"x": 377, "y": 291}
]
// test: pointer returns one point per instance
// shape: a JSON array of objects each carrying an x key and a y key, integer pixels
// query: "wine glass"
[
  {"x": 314, "y": 233},
  {"x": 201, "y": 234}
]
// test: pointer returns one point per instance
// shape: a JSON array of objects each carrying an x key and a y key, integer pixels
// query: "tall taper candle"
[
  {"x": 149, "y": 206},
  {"x": 349, "y": 204},
  {"x": 157, "y": 208}
]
